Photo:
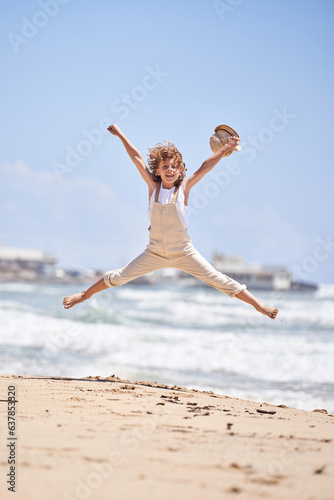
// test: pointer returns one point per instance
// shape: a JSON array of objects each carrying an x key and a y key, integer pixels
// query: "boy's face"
[{"x": 169, "y": 172}]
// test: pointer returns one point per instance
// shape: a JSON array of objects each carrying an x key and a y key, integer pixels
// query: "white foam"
[
  {"x": 325, "y": 291},
  {"x": 188, "y": 335},
  {"x": 28, "y": 288}
]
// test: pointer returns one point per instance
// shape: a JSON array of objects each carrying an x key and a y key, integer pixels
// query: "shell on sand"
[{"x": 219, "y": 138}]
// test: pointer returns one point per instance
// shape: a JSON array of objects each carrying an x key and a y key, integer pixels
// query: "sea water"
[{"x": 172, "y": 333}]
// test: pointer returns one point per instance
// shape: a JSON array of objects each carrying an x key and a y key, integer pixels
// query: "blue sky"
[{"x": 168, "y": 70}]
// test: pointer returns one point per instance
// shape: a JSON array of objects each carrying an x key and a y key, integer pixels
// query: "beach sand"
[{"x": 105, "y": 438}]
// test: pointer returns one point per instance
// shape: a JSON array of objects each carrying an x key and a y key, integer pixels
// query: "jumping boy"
[{"x": 169, "y": 244}]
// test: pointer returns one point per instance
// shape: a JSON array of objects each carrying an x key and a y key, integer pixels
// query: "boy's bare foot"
[
  {"x": 74, "y": 299},
  {"x": 268, "y": 311},
  {"x": 246, "y": 296}
]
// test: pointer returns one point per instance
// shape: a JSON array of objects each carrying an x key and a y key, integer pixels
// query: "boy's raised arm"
[
  {"x": 134, "y": 154},
  {"x": 208, "y": 164}
]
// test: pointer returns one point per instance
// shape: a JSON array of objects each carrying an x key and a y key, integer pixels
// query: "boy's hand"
[
  {"x": 114, "y": 129},
  {"x": 232, "y": 142}
]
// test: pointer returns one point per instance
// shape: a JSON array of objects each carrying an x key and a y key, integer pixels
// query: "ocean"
[{"x": 173, "y": 333}]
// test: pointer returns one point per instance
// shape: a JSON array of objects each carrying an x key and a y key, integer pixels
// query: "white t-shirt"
[{"x": 165, "y": 196}]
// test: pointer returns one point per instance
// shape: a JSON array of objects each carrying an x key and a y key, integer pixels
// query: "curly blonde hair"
[{"x": 161, "y": 152}]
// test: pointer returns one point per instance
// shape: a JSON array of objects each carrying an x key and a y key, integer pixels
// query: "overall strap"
[
  {"x": 175, "y": 194},
  {"x": 157, "y": 191}
]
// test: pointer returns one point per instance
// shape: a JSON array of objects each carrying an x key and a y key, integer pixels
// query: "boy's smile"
[{"x": 169, "y": 172}]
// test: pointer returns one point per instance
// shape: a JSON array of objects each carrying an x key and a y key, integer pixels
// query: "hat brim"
[{"x": 228, "y": 129}]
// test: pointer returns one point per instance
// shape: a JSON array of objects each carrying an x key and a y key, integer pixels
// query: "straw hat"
[{"x": 219, "y": 138}]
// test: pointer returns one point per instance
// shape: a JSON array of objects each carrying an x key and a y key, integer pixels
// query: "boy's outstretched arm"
[
  {"x": 135, "y": 156},
  {"x": 208, "y": 164}
]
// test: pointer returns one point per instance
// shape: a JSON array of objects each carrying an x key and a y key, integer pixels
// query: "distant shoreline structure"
[
  {"x": 26, "y": 265},
  {"x": 258, "y": 276}
]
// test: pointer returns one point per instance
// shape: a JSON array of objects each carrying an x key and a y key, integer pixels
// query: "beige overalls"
[{"x": 170, "y": 246}]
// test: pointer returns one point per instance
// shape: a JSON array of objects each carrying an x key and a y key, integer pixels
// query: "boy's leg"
[
  {"x": 246, "y": 296},
  {"x": 195, "y": 264},
  {"x": 145, "y": 263},
  {"x": 74, "y": 299}
]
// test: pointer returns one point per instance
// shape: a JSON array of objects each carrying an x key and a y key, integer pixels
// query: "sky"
[{"x": 168, "y": 71}]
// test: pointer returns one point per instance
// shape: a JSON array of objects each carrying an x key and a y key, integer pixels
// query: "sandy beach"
[{"x": 109, "y": 438}]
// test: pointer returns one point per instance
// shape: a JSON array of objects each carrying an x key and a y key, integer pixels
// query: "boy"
[{"x": 170, "y": 245}]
